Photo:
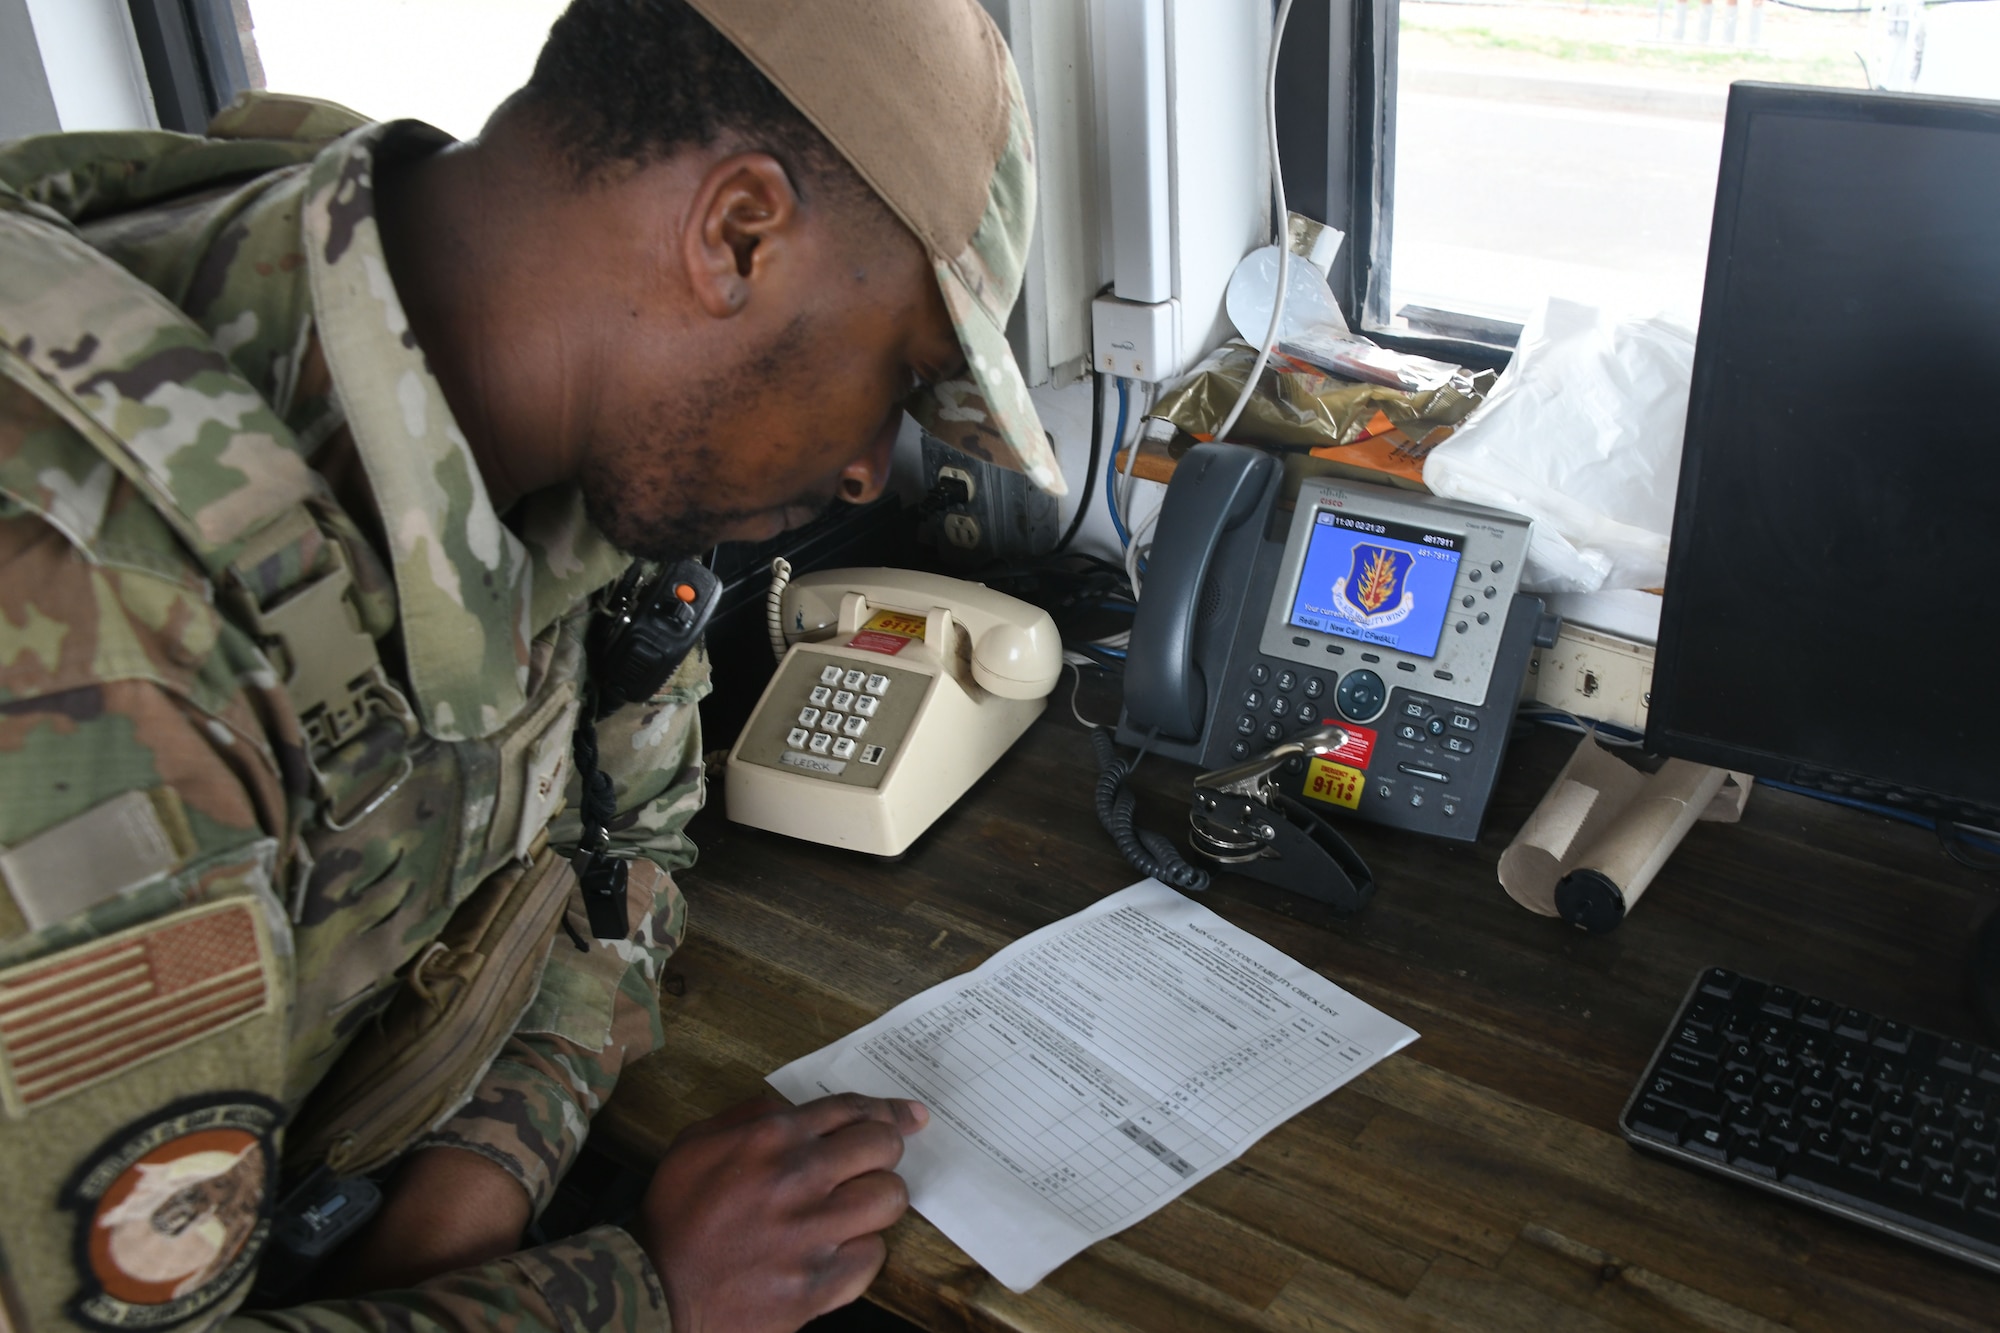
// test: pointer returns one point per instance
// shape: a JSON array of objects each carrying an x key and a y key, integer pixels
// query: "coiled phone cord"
[
  {"x": 774, "y": 606},
  {"x": 1149, "y": 853}
]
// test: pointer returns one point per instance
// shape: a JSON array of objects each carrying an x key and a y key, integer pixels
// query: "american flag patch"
[{"x": 92, "y": 1012}]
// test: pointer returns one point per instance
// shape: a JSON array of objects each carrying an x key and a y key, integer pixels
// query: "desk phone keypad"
[
  {"x": 838, "y": 713},
  {"x": 835, "y": 718},
  {"x": 1851, "y": 1112}
]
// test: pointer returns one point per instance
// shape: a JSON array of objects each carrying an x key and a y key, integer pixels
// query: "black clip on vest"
[{"x": 635, "y": 645}]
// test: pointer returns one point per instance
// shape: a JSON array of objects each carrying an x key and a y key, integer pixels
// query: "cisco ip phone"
[{"x": 1394, "y": 614}]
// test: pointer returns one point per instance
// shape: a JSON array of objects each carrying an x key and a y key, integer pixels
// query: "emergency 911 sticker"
[
  {"x": 1336, "y": 784},
  {"x": 889, "y": 632},
  {"x": 898, "y": 622}
]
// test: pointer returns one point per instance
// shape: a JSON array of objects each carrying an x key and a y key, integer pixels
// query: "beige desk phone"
[{"x": 898, "y": 690}]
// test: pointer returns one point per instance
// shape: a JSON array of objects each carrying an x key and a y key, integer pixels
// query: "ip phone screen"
[{"x": 1376, "y": 582}]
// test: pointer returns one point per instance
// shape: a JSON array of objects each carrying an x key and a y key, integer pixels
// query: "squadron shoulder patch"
[{"x": 172, "y": 1212}]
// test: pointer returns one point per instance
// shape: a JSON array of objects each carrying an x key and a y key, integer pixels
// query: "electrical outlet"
[
  {"x": 963, "y": 478},
  {"x": 1594, "y": 675},
  {"x": 975, "y": 512}
]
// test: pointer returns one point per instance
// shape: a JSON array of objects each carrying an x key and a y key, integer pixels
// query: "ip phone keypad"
[{"x": 1274, "y": 703}]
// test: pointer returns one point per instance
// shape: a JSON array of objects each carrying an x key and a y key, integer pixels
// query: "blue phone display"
[{"x": 1387, "y": 584}]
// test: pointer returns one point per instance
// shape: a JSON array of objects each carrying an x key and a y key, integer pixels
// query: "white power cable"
[
  {"x": 1132, "y": 455},
  {"x": 774, "y": 606},
  {"x": 1284, "y": 230},
  {"x": 1139, "y": 550},
  {"x": 1135, "y": 551},
  {"x": 1079, "y": 661}
]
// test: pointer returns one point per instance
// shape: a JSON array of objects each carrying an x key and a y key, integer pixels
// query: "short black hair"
[{"x": 633, "y": 81}]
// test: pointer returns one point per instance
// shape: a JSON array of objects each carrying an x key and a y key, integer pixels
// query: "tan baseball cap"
[{"x": 922, "y": 97}]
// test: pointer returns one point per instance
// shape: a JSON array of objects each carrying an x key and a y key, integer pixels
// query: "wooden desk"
[{"x": 1474, "y": 1181}]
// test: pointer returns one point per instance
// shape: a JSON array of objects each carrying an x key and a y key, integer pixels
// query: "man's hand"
[
  {"x": 767, "y": 1216},
  {"x": 446, "y": 1209}
]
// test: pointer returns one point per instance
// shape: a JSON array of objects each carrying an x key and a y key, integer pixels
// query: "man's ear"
[{"x": 742, "y": 212}]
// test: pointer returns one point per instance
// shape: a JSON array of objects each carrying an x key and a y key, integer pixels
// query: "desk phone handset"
[
  {"x": 1391, "y": 614},
  {"x": 898, "y": 690}
]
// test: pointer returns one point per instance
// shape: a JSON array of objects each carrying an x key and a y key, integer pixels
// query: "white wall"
[
  {"x": 1216, "y": 156},
  {"x": 26, "y": 104},
  {"x": 1219, "y": 199},
  {"x": 92, "y": 64},
  {"x": 1216, "y": 52},
  {"x": 1051, "y": 41}
]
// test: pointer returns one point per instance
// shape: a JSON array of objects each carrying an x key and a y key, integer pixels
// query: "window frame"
[
  {"x": 193, "y": 59},
  {"x": 1336, "y": 105}
]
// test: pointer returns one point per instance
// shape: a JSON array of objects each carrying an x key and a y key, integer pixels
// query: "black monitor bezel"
[{"x": 1747, "y": 101}]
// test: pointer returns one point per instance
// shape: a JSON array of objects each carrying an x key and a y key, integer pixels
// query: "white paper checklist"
[{"x": 1091, "y": 1072}]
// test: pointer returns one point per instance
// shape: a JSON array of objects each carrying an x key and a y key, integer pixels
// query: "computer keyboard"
[{"x": 1862, "y": 1116}]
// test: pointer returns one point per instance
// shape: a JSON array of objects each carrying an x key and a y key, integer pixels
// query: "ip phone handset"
[
  {"x": 897, "y": 691},
  {"x": 1210, "y": 524}
]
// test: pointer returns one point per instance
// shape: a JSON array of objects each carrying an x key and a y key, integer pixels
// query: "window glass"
[
  {"x": 1571, "y": 149},
  {"x": 449, "y": 62}
]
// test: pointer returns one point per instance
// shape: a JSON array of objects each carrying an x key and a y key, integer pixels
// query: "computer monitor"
[{"x": 1832, "y": 608}]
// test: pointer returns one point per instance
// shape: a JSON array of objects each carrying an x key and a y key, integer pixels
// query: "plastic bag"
[
  {"x": 1300, "y": 406},
  {"x": 1309, "y": 302},
  {"x": 1583, "y": 435},
  {"x": 1316, "y": 333}
]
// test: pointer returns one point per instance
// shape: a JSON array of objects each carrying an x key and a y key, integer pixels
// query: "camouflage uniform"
[{"x": 161, "y": 810}]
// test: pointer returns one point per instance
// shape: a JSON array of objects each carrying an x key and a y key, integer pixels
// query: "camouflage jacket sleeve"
[
  {"x": 599, "y": 1008},
  {"x": 598, "y": 1280}
]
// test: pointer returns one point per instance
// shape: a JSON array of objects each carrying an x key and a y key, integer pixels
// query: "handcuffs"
[{"x": 1240, "y": 819}]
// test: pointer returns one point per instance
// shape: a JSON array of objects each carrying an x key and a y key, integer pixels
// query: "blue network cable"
[
  {"x": 1111, "y": 469},
  {"x": 1887, "y": 811},
  {"x": 1833, "y": 798}
]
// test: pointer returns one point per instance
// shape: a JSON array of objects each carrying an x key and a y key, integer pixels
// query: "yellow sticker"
[
  {"x": 896, "y": 622},
  {"x": 1336, "y": 784}
]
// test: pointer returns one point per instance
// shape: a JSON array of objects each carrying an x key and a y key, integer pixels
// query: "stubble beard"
[
  {"x": 644, "y": 522},
  {"x": 654, "y": 494}
]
